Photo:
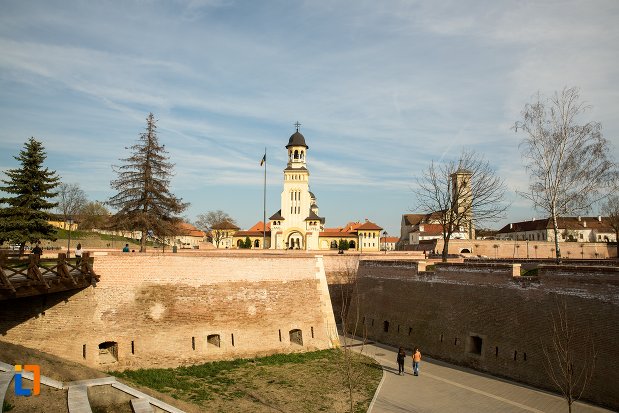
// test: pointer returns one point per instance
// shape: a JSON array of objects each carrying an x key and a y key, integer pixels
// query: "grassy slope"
[{"x": 299, "y": 382}]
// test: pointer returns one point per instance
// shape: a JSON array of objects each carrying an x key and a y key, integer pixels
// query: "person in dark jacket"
[
  {"x": 37, "y": 250},
  {"x": 401, "y": 356}
]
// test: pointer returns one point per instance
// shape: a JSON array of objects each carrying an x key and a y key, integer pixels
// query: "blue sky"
[{"x": 380, "y": 88}]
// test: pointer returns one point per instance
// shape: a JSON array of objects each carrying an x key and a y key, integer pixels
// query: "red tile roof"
[
  {"x": 256, "y": 231},
  {"x": 225, "y": 225},
  {"x": 189, "y": 230},
  {"x": 431, "y": 229},
  {"x": 368, "y": 225}
]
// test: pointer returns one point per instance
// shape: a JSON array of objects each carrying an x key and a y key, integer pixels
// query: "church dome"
[{"x": 296, "y": 139}]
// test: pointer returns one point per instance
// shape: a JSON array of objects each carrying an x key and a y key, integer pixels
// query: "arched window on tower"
[
  {"x": 296, "y": 154},
  {"x": 302, "y": 154}
]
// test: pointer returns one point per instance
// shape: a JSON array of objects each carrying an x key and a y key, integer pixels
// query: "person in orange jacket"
[{"x": 416, "y": 361}]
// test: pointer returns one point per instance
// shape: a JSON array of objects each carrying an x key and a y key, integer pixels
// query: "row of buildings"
[
  {"x": 419, "y": 229},
  {"x": 298, "y": 225}
]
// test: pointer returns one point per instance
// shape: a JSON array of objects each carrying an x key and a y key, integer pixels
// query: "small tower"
[
  {"x": 462, "y": 195},
  {"x": 297, "y": 150}
]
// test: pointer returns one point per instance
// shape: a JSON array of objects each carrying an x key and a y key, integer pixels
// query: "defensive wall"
[
  {"x": 152, "y": 310},
  {"x": 488, "y": 317},
  {"x": 529, "y": 249}
]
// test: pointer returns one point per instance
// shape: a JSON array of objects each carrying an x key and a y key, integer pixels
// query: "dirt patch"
[
  {"x": 49, "y": 400},
  {"x": 103, "y": 399}
]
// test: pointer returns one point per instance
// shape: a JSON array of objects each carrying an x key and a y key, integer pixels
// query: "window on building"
[
  {"x": 296, "y": 336},
  {"x": 213, "y": 340},
  {"x": 474, "y": 345},
  {"x": 108, "y": 352}
]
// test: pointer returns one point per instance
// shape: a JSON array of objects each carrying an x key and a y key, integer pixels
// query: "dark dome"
[{"x": 296, "y": 139}]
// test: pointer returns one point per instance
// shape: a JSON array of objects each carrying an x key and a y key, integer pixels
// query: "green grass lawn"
[{"x": 299, "y": 382}]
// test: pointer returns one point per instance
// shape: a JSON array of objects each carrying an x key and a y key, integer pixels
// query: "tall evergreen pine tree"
[
  {"x": 144, "y": 200},
  {"x": 25, "y": 217}
]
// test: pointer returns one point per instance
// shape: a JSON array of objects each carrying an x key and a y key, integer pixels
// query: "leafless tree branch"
[{"x": 568, "y": 162}]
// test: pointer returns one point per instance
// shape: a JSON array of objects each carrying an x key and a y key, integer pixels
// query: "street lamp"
[
  {"x": 70, "y": 222},
  {"x": 385, "y": 237}
]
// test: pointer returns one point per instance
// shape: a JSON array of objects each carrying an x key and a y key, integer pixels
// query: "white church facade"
[{"x": 297, "y": 224}]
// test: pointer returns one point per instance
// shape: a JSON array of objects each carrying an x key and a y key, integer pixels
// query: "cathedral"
[{"x": 297, "y": 224}]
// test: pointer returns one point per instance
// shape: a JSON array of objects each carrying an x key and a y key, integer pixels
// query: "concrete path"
[
  {"x": 141, "y": 406},
  {"x": 78, "y": 399},
  {"x": 441, "y": 387}
]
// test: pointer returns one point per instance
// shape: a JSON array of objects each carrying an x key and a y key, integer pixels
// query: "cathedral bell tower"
[
  {"x": 296, "y": 225},
  {"x": 297, "y": 150}
]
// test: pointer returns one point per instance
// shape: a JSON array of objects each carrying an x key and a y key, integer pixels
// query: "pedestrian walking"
[
  {"x": 78, "y": 255},
  {"x": 401, "y": 356},
  {"x": 416, "y": 361}
]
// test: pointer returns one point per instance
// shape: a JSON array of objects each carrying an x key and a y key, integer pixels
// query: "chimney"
[
  {"x": 599, "y": 218},
  {"x": 578, "y": 218},
  {"x": 511, "y": 226},
  {"x": 584, "y": 224}
]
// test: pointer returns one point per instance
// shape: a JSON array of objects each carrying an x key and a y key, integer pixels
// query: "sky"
[{"x": 381, "y": 89}]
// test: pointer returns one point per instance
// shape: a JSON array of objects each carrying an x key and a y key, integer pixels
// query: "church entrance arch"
[{"x": 295, "y": 241}]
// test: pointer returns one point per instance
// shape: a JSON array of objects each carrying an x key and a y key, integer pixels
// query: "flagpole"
[{"x": 264, "y": 203}]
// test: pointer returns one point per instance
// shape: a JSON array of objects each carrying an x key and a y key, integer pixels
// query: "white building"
[
  {"x": 575, "y": 229},
  {"x": 297, "y": 224}
]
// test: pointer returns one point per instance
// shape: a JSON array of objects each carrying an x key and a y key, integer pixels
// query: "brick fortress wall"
[
  {"x": 483, "y": 317},
  {"x": 530, "y": 249},
  {"x": 160, "y": 310}
]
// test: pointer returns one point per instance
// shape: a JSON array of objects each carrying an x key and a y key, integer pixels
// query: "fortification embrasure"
[{"x": 168, "y": 310}]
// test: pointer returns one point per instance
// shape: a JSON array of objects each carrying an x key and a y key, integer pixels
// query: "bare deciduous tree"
[
  {"x": 71, "y": 200},
  {"x": 210, "y": 221},
  {"x": 350, "y": 319},
  {"x": 610, "y": 209},
  {"x": 144, "y": 200},
  {"x": 460, "y": 194},
  {"x": 94, "y": 215},
  {"x": 569, "y": 358},
  {"x": 568, "y": 162}
]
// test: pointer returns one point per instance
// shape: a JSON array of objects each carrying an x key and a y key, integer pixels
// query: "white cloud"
[{"x": 381, "y": 89}]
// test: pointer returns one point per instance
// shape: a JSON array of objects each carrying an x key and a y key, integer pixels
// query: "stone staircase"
[{"x": 77, "y": 392}]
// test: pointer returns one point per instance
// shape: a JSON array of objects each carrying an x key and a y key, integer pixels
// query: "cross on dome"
[{"x": 297, "y": 125}]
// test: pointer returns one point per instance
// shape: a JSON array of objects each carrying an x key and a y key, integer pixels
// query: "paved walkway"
[{"x": 442, "y": 387}]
